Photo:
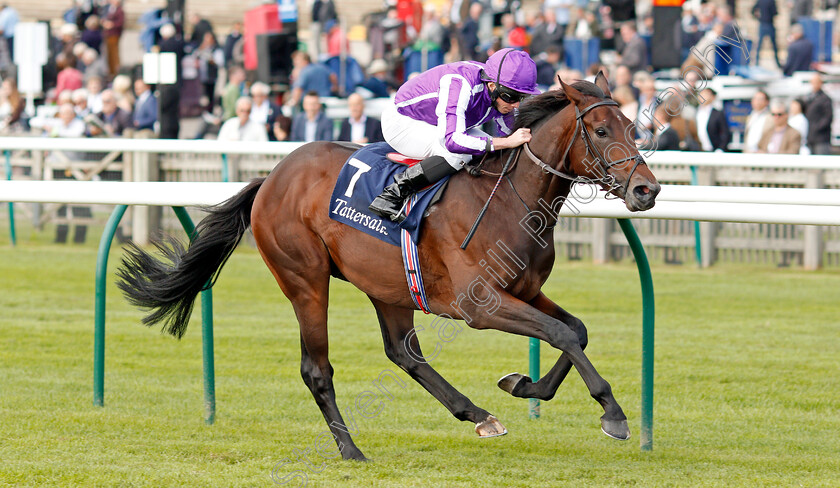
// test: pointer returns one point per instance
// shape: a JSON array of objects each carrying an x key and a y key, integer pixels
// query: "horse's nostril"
[{"x": 642, "y": 192}]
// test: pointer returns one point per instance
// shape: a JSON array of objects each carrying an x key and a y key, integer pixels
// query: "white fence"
[{"x": 671, "y": 240}]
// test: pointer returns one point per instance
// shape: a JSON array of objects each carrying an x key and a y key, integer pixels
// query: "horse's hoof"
[
  {"x": 357, "y": 456},
  {"x": 490, "y": 427},
  {"x": 511, "y": 382},
  {"x": 617, "y": 429}
]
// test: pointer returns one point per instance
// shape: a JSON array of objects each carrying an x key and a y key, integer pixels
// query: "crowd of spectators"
[{"x": 109, "y": 99}]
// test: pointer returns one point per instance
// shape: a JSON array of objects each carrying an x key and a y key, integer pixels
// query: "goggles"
[{"x": 511, "y": 96}]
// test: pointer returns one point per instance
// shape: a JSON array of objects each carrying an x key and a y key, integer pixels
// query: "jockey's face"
[{"x": 504, "y": 107}]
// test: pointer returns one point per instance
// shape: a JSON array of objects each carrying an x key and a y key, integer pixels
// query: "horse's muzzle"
[{"x": 641, "y": 196}]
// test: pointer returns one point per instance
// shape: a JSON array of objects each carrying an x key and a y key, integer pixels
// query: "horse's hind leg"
[
  {"x": 403, "y": 348},
  {"x": 317, "y": 373},
  {"x": 546, "y": 387},
  {"x": 303, "y": 273}
]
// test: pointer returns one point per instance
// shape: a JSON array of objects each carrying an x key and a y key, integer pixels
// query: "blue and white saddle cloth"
[{"x": 362, "y": 178}]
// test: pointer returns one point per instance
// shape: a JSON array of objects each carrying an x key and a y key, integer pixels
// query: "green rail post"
[
  {"x": 534, "y": 373},
  {"x": 206, "y": 331},
  {"x": 99, "y": 307},
  {"x": 648, "y": 313},
  {"x": 225, "y": 169},
  {"x": 698, "y": 247},
  {"x": 12, "y": 235}
]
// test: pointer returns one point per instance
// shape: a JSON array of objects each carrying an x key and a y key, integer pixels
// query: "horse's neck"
[{"x": 541, "y": 191}]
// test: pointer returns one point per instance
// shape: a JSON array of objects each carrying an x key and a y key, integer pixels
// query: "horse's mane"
[{"x": 537, "y": 109}]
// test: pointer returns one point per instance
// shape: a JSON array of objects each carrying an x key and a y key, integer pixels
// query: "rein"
[{"x": 585, "y": 136}]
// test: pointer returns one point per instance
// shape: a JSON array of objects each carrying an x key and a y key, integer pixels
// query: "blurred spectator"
[
  {"x": 780, "y": 138},
  {"x": 67, "y": 38},
  {"x": 80, "y": 102},
  {"x": 624, "y": 77},
  {"x": 758, "y": 121},
  {"x": 798, "y": 121},
  {"x": 209, "y": 57},
  {"x": 547, "y": 33},
  {"x": 665, "y": 137},
  {"x": 112, "y": 24},
  {"x": 200, "y": 27},
  {"x": 66, "y": 124},
  {"x": 145, "y": 107},
  {"x": 626, "y": 101},
  {"x": 562, "y": 12},
  {"x": 282, "y": 128},
  {"x": 324, "y": 16},
  {"x": 8, "y": 20},
  {"x": 820, "y": 115},
  {"x": 690, "y": 31},
  {"x": 263, "y": 110},
  {"x": 727, "y": 22},
  {"x": 233, "y": 37},
  {"x": 311, "y": 124},
  {"x": 647, "y": 101},
  {"x": 111, "y": 121},
  {"x": 92, "y": 33},
  {"x": 800, "y": 8},
  {"x": 378, "y": 82},
  {"x": 384, "y": 31},
  {"x": 468, "y": 32},
  {"x": 586, "y": 25},
  {"x": 359, "y": 128},
  {"x": 515, "y": 35},
  {"x": 69, "y": 78},
  {"x": 122, "y": 87},
  {"x": 308, "y": 76},
  {"x": 11, "y": 105},
  {"x": 93, "y": 66},
  {"x": 686, "y": 130},
  {"x": 233, "y": 90},
  {"x": 83, "y": 10},
  {"x": 712, "y": 127},
  {"x": 800, "y": 51},
  {"x": 170, "y": 94},
  {"x": 621, "y": 10},
  {"x": 634, "y": 54},
  {"x": 765, "y": 11},
  {"x": 547, "y": 65},
  {"x": 243, "y": 127}
]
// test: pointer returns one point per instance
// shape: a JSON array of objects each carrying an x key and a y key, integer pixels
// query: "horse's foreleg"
[
  {"x": 501, "y": 311},
  {"x": 403, "y": 348},
  {"x": 545, "y": 388}
]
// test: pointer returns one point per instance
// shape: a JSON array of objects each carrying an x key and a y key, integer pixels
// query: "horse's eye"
[{"x": 601, "y": 132}]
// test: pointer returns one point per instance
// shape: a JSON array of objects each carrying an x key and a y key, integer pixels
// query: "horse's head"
[{"x": 594, "y": 141}]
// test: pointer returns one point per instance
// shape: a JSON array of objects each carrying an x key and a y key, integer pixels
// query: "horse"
[{"x": 576, "y": 130}]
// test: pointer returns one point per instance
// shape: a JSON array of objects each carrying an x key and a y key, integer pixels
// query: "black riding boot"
[{"x": 429, "y": 171}]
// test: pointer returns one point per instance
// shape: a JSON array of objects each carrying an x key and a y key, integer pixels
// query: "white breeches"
[{"x": 417, "y": 139}]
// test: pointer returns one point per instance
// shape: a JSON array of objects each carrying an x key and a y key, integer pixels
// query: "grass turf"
[{"x": 746, "y": 385}]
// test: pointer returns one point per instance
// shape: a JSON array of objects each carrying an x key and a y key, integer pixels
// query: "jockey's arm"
[{"x": 519, "y": 137}]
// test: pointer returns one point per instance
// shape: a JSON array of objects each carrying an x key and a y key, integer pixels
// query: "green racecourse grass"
[{"x": 746, "y": 385}]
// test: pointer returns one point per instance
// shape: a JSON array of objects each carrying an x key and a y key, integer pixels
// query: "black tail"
[{"x": 169, "y": 288}]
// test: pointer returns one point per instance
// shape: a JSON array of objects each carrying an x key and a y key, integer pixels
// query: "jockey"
[{"x": 436, "y": 118}]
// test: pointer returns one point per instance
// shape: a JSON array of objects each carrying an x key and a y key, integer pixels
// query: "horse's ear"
[
  {"x": 602, "y": 83},
  {"x": 571, "y": 92}
]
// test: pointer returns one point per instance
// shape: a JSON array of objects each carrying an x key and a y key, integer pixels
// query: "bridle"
[{"x": 608, "y": 179}]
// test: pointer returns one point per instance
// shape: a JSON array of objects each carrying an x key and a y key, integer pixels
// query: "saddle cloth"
[{"x": 362, "y": 178}]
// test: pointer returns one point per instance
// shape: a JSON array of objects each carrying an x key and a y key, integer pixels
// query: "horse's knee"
[
  {"x": 580, "y": 329},
  {"x": 563, "y": 338}
]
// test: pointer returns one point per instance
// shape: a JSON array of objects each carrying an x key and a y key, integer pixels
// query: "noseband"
[{"x": 591, "y": 148}]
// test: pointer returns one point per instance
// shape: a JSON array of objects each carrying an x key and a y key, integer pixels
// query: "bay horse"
[{"x": 575, "y": 132}]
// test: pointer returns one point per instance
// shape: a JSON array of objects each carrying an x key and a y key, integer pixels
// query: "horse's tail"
[{"x": 168, "y": 289}]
